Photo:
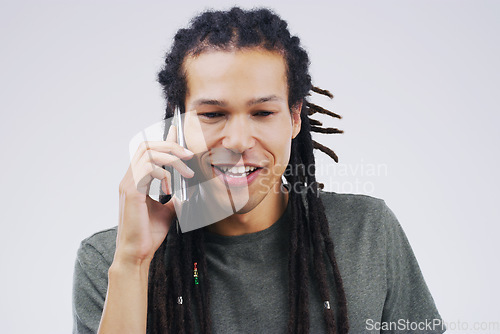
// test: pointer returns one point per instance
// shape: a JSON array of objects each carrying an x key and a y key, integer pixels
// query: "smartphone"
[
  {"x": 180, "y": 185},
  {"x": 179, "y": 180}
]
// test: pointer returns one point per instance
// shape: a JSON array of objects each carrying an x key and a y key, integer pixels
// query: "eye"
[
  {"x": 210, "y": 114},
  {"x": 263, "y": 113}
]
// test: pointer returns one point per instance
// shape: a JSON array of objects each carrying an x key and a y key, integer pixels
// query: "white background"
[{"x": 415, "y": 81}]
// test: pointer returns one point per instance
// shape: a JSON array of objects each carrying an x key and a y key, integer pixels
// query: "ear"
[{"x": 296, "y": 121}]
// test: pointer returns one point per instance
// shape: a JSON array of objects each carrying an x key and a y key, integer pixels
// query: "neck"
[{"x": 265, "y": 214}]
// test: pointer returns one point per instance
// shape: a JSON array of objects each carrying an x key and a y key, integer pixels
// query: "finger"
[
  {"x": 172, "y": 137},
  {"x": 145, "y": 176},
  {"x": 172, "y": 149},
  {"x": 162, "y": 146},
  {"x": 158, "y": 159},
  {"x": 149, "y": 167},
  {"x": 166, "y": 184},
  {"x": 164, "y": 176},
  {"x": 175, "y": 149},
  {"x": 172, "y": 134}
]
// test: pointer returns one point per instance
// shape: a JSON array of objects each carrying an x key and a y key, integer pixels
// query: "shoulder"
[
  {"x": 98, "y": 246},
  {"x": 351, "y": 204},
  {"x": 353, "y": 207},
  {"x": 357, "y": 217}
]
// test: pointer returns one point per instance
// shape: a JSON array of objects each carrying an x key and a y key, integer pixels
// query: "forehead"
[{"x": 236, "y": 73}]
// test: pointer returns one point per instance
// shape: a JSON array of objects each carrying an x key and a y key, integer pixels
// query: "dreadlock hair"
[{"x": 171, "y": 288}]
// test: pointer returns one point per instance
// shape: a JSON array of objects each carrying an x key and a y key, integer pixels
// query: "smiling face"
[{"x": 239, "y": 101}]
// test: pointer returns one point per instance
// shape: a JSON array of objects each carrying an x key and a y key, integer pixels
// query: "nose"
[{"x": 237, "y": 134}]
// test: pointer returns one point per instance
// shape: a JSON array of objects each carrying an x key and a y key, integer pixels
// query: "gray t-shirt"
[{"x": 384, "y": 286}]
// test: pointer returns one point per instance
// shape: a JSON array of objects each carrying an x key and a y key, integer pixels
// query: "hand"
[{"x": 143, "y": 222}]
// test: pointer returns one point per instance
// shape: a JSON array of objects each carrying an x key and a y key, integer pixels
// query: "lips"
[{"x": 236, "y": 175}]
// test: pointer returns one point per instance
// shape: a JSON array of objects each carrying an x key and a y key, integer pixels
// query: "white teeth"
[
  {"x": 250, "y": 169},
  {"x": 237, "y": 169}
]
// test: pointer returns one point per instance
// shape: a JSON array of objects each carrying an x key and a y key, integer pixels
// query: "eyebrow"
[{"x": 223, "y": 103}]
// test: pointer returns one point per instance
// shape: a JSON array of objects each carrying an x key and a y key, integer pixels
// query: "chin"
[
  {"x": 244, "y": 203},
  {"x": 249, "y": 206}
]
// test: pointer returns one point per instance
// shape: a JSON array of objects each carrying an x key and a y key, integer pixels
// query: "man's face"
[{"x": 239, "y": 100}]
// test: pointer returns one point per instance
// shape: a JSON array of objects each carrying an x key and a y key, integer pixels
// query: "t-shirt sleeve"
[
  {"x": 409, "y": 306},
  {"x": 90, "y": 281}
]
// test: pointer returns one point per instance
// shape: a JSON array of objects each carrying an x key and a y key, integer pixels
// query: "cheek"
[
  {"x": 278, "y": 143},
  {"x": 196, "y": 143},
  {"x": 281, "y": 156},
  {"x": 195, "y": 140}
]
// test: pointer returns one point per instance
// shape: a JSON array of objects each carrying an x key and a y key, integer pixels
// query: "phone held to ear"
[
  {"x": 203, "y": 200},
  {"x": 180, "y": 185}
]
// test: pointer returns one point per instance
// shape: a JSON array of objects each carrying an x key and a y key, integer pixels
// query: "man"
[{"x": 241, "y": 81}]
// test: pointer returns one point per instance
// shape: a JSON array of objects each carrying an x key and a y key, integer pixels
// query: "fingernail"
[{"x": 188, "y": 151}]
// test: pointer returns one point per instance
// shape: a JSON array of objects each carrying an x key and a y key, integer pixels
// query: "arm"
[
  {"x": 142, "y": 227},
  {"x": 125, "y": 309},
  {"x": 102, "y": 285}
]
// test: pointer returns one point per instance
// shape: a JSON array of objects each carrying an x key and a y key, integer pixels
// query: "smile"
[
  {"x": 236, "y": 175},
  {"x": 237, "y": 171}
]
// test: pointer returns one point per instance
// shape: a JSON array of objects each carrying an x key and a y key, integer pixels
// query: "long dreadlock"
[{"x": 171, "y": 288}]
